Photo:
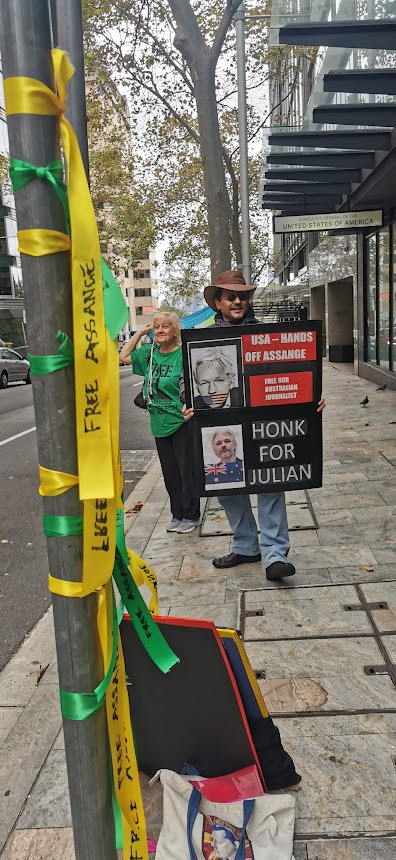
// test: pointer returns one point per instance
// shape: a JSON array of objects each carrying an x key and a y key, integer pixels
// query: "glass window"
[
  {"x": 383, "y": 304},
  {"x": 371, "y": 299},
  {"x": 139, "y": 311}
]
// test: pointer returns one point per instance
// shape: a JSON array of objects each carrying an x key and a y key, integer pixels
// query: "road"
[{"x": 24, "y": 595}]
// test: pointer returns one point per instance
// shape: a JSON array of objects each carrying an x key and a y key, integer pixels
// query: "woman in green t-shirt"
[{"x": 161, "y": 366}]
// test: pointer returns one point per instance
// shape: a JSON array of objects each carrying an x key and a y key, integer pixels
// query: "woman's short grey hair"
[
  {"x": 216, "y": 356},
  {"x": 172, "y": 318},
  {"x": 220, "y": 431}
]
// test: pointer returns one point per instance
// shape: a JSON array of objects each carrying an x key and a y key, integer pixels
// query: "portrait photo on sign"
[
  {"x": 223, "y": 457},
  {"x": 216, "y": 375}
]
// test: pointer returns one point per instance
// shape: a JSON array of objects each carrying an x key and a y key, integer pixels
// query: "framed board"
[{"x": 255, "y": 390}]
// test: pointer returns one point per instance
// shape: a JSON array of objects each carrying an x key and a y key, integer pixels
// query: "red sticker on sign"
[
  {"x": 281, "y": 388},
  {"x": 279, "y": 346}
]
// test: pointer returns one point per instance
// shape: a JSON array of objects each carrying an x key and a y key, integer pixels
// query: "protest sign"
[{"x": 255, "y": 390}]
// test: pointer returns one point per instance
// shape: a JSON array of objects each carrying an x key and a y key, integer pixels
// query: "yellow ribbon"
[
  {"x": 97, "y": 423},
  {"x": 27, "y": 95},
  {"x": 37, "y": 243},
  {"x": 96, "y": 361},
  {"x": 55, "y": 483},
  {"x": 126, "y": 774}
]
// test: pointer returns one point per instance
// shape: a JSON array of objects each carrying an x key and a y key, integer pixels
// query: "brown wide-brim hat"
[{"x": 232, "y": 280}]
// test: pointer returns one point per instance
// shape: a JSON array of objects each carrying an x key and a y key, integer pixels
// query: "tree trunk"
[{"x": 217, "y": 199}]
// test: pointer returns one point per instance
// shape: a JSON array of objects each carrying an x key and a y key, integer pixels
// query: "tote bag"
[{"x": 198, "y": 829}]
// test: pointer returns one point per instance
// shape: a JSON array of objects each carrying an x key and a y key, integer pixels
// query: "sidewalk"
[{"x": 323, "y": 646}]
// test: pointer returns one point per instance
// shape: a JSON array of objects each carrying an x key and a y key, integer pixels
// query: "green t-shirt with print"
[{"x": 165, "y": 408}]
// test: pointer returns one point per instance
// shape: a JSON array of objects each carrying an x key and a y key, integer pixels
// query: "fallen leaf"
[
  {"x": 39, "y": 674},
  {"x": 366, "y": 567},
  {"x": 135, "y": 509},
  {"x": 216, "y": 519},
  {"x": 3, "y": 541}
]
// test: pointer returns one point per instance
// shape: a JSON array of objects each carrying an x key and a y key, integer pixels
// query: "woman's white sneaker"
[
  {"x": 187, "y": 526},
  {"x": 173, "y": 526}
]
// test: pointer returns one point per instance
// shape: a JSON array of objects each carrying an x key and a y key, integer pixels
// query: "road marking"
[{"x": 18, "y": 435}]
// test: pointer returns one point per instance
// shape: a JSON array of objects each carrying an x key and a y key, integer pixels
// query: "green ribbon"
[
  {"x": 115, "y": 308},
  {"x": 80, "y": 706},
  {"x": 147, "y": 630},
  {"x": 43, "y": 364},
  {"x": 119, "y": 838},
  {"x": 21, "y": 173},
  {"x": 62, "y": 526}
]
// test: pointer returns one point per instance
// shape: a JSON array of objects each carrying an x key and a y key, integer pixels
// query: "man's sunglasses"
[{"x": 243, "y": 297}]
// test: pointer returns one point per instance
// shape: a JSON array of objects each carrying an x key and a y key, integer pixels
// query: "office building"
[{"x": 331, "y": 151}]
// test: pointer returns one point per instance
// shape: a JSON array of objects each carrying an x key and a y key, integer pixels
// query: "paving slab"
[
  {"x": 349, "y": 783},
  {"x": 50, "y": 844},
  {"x": 178, "y": 592},
  {"x": 237, "y": 582},
  {"x": 320, "y": 675},
  {"x": 337, "y": 726},
  {"x": 48, "y": 803},
  {"x": 332, "y": 556},
  {"x": 222, "y": 614},
  {"x": 363, "y": 573},
  {"x": 285, "y": 613},
  {"x": 385, "y": 551},
  {"x": 385, "y": 619},
  {"x": 8, "y": 718},
  {"x": 19, "y": 676},
  {"x": 351, "y": 849},
  {"x": 24, "y": 752}
]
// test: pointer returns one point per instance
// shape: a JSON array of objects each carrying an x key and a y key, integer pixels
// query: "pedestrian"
[
  {"x": 161, "y": 365},
  {"x": 230, "y": 298}
]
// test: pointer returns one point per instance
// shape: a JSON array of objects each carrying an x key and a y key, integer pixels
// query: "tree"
[
  {"x": 124, "y": 216},
  {"x": 177, "y": 60}
]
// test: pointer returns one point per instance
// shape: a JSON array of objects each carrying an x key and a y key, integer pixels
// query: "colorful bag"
[
  {"x": 198, "y": 829},
  {"x": 240, "y": 785}
]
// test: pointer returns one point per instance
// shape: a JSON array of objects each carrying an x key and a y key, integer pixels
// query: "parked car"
[{"x": 13, "y": 368}]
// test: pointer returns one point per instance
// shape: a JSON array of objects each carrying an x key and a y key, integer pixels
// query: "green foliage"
[
  {"x": 136, "y": 43},
  {"x": 124, "y": 216}
]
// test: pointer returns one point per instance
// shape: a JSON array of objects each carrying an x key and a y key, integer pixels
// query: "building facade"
[
  {"x": 332, "y": 149},
  {"x": 140, "y": 288},
  {"x": 109, "y": 132}
]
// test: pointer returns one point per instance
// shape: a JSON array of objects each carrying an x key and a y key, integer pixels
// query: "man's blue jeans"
[{"x": 274, "y": 533}]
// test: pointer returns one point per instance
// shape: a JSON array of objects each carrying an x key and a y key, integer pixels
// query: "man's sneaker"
[
  {"x": 187, "y": 526},
  {"x": 279, "y": 569},
  {"x": 173, "y": 525},
  {"x": 233, "y": 559}
]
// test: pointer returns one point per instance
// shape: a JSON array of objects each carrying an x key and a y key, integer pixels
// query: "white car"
[{"x": 13, "y": 368}]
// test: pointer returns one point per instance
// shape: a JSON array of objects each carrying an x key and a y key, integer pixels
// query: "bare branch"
[{"x": 221, "y": 32}]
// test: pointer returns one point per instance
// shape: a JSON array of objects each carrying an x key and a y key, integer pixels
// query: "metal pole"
[
  {"x": 25, "y": 42},
  {"x": 239, "y": 19},
  {"x": 70, "y": 39}
]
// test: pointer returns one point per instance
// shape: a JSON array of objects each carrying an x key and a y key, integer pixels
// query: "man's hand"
[
  {"x": 321, "y": 405},
  {"x": 187, "y": 413}
]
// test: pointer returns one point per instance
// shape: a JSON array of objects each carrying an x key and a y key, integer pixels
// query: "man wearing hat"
[{"x": 230, "y": 298}]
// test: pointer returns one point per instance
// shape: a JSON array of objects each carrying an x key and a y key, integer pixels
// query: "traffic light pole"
[{"x": 25, "y": 43}]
